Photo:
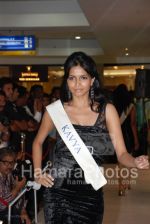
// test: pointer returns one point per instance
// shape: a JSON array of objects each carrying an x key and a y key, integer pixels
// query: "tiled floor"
[{"x": 134, "y": 208}]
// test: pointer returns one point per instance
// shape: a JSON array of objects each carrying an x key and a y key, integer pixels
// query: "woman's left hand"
[{"x": 142, "y": 162}]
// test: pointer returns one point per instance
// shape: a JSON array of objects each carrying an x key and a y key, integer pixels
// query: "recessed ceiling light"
[{"x": 77, "y": 37}]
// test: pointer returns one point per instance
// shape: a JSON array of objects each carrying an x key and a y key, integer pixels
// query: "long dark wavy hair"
[{"x": 88, "y": 64}]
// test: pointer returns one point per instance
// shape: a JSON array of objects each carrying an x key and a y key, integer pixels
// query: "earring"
[
  {"x": 92, "y": 93},
  {"x": 69, "y": 95}
]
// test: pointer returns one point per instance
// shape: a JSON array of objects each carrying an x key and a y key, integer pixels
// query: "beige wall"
[{"x": 113, "y": 82}]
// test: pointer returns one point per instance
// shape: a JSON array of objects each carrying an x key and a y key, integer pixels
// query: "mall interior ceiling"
[{"x": 113, "y": 32}]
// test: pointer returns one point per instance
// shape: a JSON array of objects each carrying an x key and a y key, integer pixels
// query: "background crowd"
[{"x": 21, "y": 112}]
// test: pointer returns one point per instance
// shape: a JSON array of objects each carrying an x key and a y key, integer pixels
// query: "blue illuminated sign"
[{"x": 17, "y": 43}]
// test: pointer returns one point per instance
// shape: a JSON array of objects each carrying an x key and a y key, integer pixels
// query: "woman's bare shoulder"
[
  {"x": 111, "y": 112},
  {"x": 110, "y": 106}
]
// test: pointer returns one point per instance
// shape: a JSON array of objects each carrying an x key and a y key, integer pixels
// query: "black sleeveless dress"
[{"x": 71, "y": 200}]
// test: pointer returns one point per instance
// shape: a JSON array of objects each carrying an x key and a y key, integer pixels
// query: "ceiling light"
[
  {"x": 115, "y": 67},
  {"x": 122, "y": 72},
  {"x": 77, "y": 37},
  {"x": 126, "y": 54}
]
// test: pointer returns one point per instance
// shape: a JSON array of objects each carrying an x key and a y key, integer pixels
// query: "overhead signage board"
[{"x": 17, "y": 45}]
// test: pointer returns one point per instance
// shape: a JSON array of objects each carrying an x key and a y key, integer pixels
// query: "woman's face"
[
  {"x": 7, "y": 164},
  {"x": 79, "y": 81}
]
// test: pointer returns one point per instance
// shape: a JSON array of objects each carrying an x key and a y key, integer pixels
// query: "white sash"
[{"x": 92, "y": 172}]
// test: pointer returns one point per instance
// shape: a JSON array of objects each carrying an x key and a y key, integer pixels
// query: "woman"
[
  {"x": 127, "y": 114},
  {"x": 124, "y": 106},
  {"x": 69, "y": 199}
]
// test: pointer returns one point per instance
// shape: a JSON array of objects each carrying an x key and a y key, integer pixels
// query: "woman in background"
[{"x": 127, "y": 114}]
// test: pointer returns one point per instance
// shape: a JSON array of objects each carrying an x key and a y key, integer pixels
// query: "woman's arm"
[
  {"x": 114, "y": 128},
  {"x": 45, "y": 127},
  {"x": 25, "y": 217}
]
